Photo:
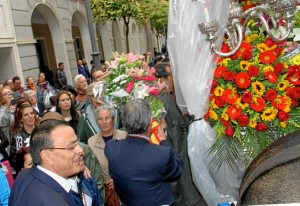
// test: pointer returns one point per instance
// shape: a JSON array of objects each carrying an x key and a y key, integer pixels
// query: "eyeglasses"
[{"x": 72, "y": 148}]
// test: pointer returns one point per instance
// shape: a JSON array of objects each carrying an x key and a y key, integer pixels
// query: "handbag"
[{"x": 111, "y": 197}]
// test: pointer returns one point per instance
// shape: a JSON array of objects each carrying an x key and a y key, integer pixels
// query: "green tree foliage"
[
  {"x": 140, "y": 10},
  {"x": 159, "y": 19}
]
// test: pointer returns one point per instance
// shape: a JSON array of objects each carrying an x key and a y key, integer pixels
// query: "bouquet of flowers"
[
  {"x": 131, "y": 77},
  {"x": 254, "y": 98}
]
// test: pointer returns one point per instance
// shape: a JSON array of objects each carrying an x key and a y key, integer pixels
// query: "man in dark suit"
[
  {"x": 142, "y": 171},
  {"x": 55, "y": 151}
]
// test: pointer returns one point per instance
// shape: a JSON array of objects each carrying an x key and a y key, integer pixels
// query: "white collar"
[
  {"x": 60, "y": 180},
  {"x": 73, "y": 183}
]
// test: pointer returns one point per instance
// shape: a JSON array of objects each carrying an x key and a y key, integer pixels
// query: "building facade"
[{"x": 39, "y": 33}]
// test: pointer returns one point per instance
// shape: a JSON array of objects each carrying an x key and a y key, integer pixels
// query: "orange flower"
[
  {"x": 280, "y": 102},
  {"x": 230, "y": 95},
  {"x": 258, "y": 105},
  {"x": 219, "y": 72},
  {"x": 271, "y": 76},
  {"x": 233, "y": 112},
  {"x": 242, "y": 80},
  {"x": 267, "y": 57}
]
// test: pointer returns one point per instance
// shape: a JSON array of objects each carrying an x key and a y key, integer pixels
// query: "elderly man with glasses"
[{"x": 58, "y": 156}]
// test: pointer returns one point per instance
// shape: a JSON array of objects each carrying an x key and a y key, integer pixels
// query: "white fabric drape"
[{"x": 193, "y": 65}]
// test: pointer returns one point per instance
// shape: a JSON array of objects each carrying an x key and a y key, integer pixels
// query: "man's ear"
[{"x": 46, "y": 157}]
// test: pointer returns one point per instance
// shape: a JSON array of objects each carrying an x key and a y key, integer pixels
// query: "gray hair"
[
  {"x": 29, "y": 92},
  {"x": 108, "y": 108},
  {"x": 40, "y": 138},
  {"x": 77, "y": 77},
  {"x": 136, "y": 116}
]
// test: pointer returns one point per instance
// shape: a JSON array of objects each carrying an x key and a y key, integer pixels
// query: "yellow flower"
[
  {"x": 283, "y": 85},
  {"x": 269, "y": 114},
  {"x": 240, "y": 104},
  {"x": 258, "y": 88},
  {"x": 213, "y": 104},
  {"x": 287, "y": 108},
  {"x": 282, "y": 124},
  {"x": 218, "y": 91},
  {"x": 244, "y": 65},
  {"x": 252, "y": 123},
  {"x": 268, "y": 69},
  {"x": 251, "y": 23},
  {"x": 213, "y": 115},
  {"x": 296, "y": 59},
  {"x": 224, "y": 62},
  {"x": 224, "y": 115},
  {"x": 250, "y": 38},
  {"x": 262, "y": 47},
  {"x": 286, "y": 65}
]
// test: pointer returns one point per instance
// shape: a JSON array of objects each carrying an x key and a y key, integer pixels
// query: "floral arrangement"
[
  {"x": 254, "y": 98},
  {"x": 131, "y": 77}
]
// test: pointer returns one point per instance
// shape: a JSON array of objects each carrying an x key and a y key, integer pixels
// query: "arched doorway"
[
  {"x": 81, "y": 37},
  {"x": 47, "y": 32}
]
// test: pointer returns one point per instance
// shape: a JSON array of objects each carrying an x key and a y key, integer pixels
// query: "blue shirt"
[{"x": 4, "y": 189}]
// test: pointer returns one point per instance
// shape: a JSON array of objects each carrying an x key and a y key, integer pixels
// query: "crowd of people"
[{"x": 64, "y": 145}]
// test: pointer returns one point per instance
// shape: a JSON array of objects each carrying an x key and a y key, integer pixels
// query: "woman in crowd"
[
  {"x": 30, "y": 83},
  {"x": 25, "y": 121},
  {"x": 23, "y": 159},
  {"x": 65, "y": 106},
  {"x": 105, "y": 120},
  {"x": 43, "y": 88},
  {"x": 6, "y": 110}
]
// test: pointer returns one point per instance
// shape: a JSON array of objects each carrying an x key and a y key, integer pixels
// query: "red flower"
[
  {"x": 129, "y": 86},
  {"x": 271, "y": 76},
  {"x": 269, "y": 42},
  {"x": 154, "y": 92},
  {"x": 289, "y": 92},
  {"x": 229, "y": 131},
  {"x": 219, "y": 72},
  {"x": 291, "y": 70},
  {"x": 225, "y": 48},
  {"x": 253, "y": 71},
  {"x": 271, "y": 94},
  {"x": 247, "y": 55},
  {"x": 258, "y": 105},
  {"x": 242, "y": 80},
  {"x": 149, "y": 78},
  {"x": 214, "y": 85},
  {"x": 294, "y": 78},
  {"x": 278, "y": 68},
  {"x": 233, "y": 112},
  {"x": 261, "y": 127},
  {"x": 296, "y": 92},
  {"x": 243, "y": 120},
  {"x": 283, "y": 116},
  {"x": 279, "y": 103},
  {"x": 230, "y": 96},
  {"x": 267, "y": 57},
  {"x": 246, "y": 97},
  {"x": 220, "y": 101},
  {"x": 247, "y": 6},
  {"x": 245, "y": 51},
  {"x": 225, "y": 122},
  {"x": 229, "y": 75},
  {"x": 294, "y": 103},
  {"x": 277, "y": 51}
]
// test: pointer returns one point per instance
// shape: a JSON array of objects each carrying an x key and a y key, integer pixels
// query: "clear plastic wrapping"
[{"x": 193, "y": 65}]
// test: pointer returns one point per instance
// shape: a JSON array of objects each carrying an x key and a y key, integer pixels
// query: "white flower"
[
  {"x": 119, "y": 78},
  {"x": 119, "y": 93}
]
